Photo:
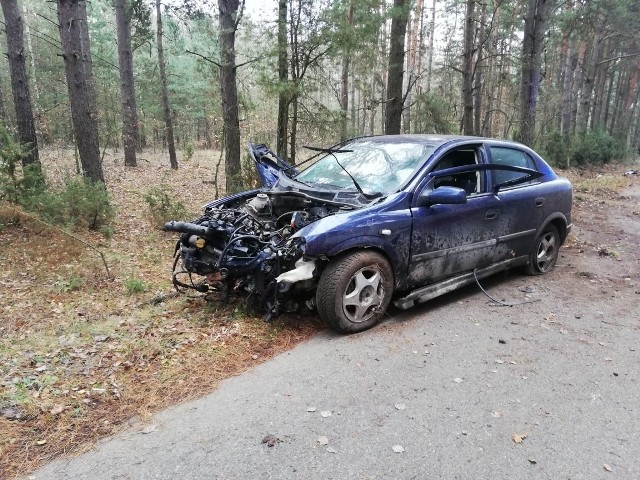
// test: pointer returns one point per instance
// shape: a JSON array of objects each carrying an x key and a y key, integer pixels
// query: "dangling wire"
[{"x": 499, "y": 302}]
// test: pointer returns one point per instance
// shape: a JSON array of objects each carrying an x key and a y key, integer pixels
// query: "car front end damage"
[{"x": 249, "y": 246}]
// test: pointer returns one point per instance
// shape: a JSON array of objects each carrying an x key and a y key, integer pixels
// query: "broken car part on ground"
[{"x": 400, "y": 218}]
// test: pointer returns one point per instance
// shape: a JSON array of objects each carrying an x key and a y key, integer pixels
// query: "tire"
[
  {"x": 545, "y": 251},
  {"x": 354, "y": 291}
]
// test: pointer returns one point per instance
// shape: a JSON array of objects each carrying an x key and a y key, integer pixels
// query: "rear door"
[{"x": 524, "y": 203}]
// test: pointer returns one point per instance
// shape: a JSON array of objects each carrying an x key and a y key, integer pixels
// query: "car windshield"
[{"x": 378, "y": 167}]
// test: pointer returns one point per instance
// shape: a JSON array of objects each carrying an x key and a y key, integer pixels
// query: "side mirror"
[{"x": 443, "y": 195}]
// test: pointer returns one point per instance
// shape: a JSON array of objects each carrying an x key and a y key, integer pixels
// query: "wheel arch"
[
  {"x": 366, "y": 243},
  {"x": 559, "y": 221}
]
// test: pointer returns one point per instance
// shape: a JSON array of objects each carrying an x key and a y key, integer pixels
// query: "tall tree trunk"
[
  {"x": 467, "y": 69},
  {"x": 432, "y": 32},
  {"x": 168, "y": 120},
  {"x": 394, "y": 99},
  {"x": 602, "y": 76},
  {"x": 354, "y": 111},
  {"x": 76, "y": 51},
  {"x": 535, "y": 26},
  {"x": 491, "y": 73},
  {"x": 589, "y": 75},
  {"x": 578, "y": 85},
  {"x": 127, "y": 87},
  {"x": 283, "y": 100},
  {"x": 3, "y": 110},
  {"x": 294, "y": 128},
  {"x": 412, "y": 62},
  {"x": 344, "y": 81},
  {"x": 478, "y": 76},
  {"x": 19, "y": 81},
  {"x": 570, "y": 64},
  {"x": 228, "y": 18}
]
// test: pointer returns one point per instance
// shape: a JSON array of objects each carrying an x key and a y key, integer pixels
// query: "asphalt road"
[{"x": 455, "y": 383}]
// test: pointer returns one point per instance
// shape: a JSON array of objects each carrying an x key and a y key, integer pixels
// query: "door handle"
[
  {"x": 539, "y": 201},
  {"x": 491, "y": 215}
]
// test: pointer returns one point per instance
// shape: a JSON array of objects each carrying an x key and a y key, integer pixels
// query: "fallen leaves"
[
  {"x": 518, "y": 437},
  {"x": 270, "y": 440}
]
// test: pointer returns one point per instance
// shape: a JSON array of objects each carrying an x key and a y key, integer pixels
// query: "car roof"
[{"x": 433, "y": 139}]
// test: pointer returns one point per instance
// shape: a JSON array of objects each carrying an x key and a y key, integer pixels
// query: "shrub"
[
  {"x": 162, "y": 208},
  {"x": 17, "y": 183},
  {"x": 555, "y": 149},
  {"x": 595, "y": 146},
  {"x": 80, "y": 203}
]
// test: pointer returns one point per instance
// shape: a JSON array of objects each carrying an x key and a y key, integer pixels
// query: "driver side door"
[{"x": 448, "y": 239}]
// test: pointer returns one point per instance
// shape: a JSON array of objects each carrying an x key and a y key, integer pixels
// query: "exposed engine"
[{"x": 242, "y": 247}]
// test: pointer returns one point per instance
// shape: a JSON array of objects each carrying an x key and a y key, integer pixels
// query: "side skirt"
[{"x": 424, "y": 294}]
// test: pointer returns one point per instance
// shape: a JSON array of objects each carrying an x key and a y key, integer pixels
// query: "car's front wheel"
[
  {"x": 354, "y": 291},
  {"x": 545, "y": 251}
]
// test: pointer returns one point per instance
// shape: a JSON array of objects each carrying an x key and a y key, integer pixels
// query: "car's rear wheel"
[
  {"x": 354, "y": 291},
  {"x": 544, "y": 254}
]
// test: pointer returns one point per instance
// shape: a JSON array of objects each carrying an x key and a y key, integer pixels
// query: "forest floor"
[{"x": 83, "y": 355}]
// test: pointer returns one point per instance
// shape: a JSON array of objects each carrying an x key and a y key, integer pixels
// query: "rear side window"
[{"x": 511, "y": 157}]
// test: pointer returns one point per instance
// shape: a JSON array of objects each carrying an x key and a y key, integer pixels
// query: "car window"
[
  {"x": 511, "y": 157},
  {"x": 471, "y": 182}
]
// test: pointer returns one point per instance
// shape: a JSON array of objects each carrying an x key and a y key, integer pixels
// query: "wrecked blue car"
[{"x": 375, "y": 220}]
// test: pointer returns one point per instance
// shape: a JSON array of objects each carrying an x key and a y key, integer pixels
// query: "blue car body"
[{"x": 471, "y": 207}]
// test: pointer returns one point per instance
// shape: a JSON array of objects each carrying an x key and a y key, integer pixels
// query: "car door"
[
  {"x": 450, "y": 239},
  {"x": 523, "y": 203}
]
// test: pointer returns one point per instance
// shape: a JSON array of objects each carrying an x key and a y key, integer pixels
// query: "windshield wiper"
[{"x": 332, "y": 152}]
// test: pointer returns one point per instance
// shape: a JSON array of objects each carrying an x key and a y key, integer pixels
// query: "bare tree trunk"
[
  {"x": 168, "y": 120},
  {"x": 283, "y": 100},
  {"x": 394, "y": 99},
  {"x": 467, "y": 69},
  {"x": 354, "y": 128},
  {"x": 228, "y": 18},
  {"x": 3, "y": 110},
  {"x": 127, "y": 87},
  {"x": 491, "y": 74},
  {"x": 478, "y": 75},
  {"x": 586, "y": 94},
  {"x": 19, "y": 81},
  {"x": 535, "y": 26},
  {"x": 578, "y": 85},
  {"x": 600, "y": 81},
  {"x": 432, "y": 32},
  {"x": 412, "y": 63},
  {"x": 76, "y": 51},
  {"x": 294, "y": 128},
  {"x": 344, "y": 82},
  {"x": 372, "y": 104},
  {"x": 570, "y": 64}
]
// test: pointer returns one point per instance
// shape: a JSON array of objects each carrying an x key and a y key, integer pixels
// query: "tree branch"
[
  {"x": 607, "y": 60},
  {"x": 204, "y": 58}
]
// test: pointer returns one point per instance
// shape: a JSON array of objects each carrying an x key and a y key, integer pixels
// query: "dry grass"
[
  {"x": 604, "y": 180},
  {"x": 81, "y": 355}
]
